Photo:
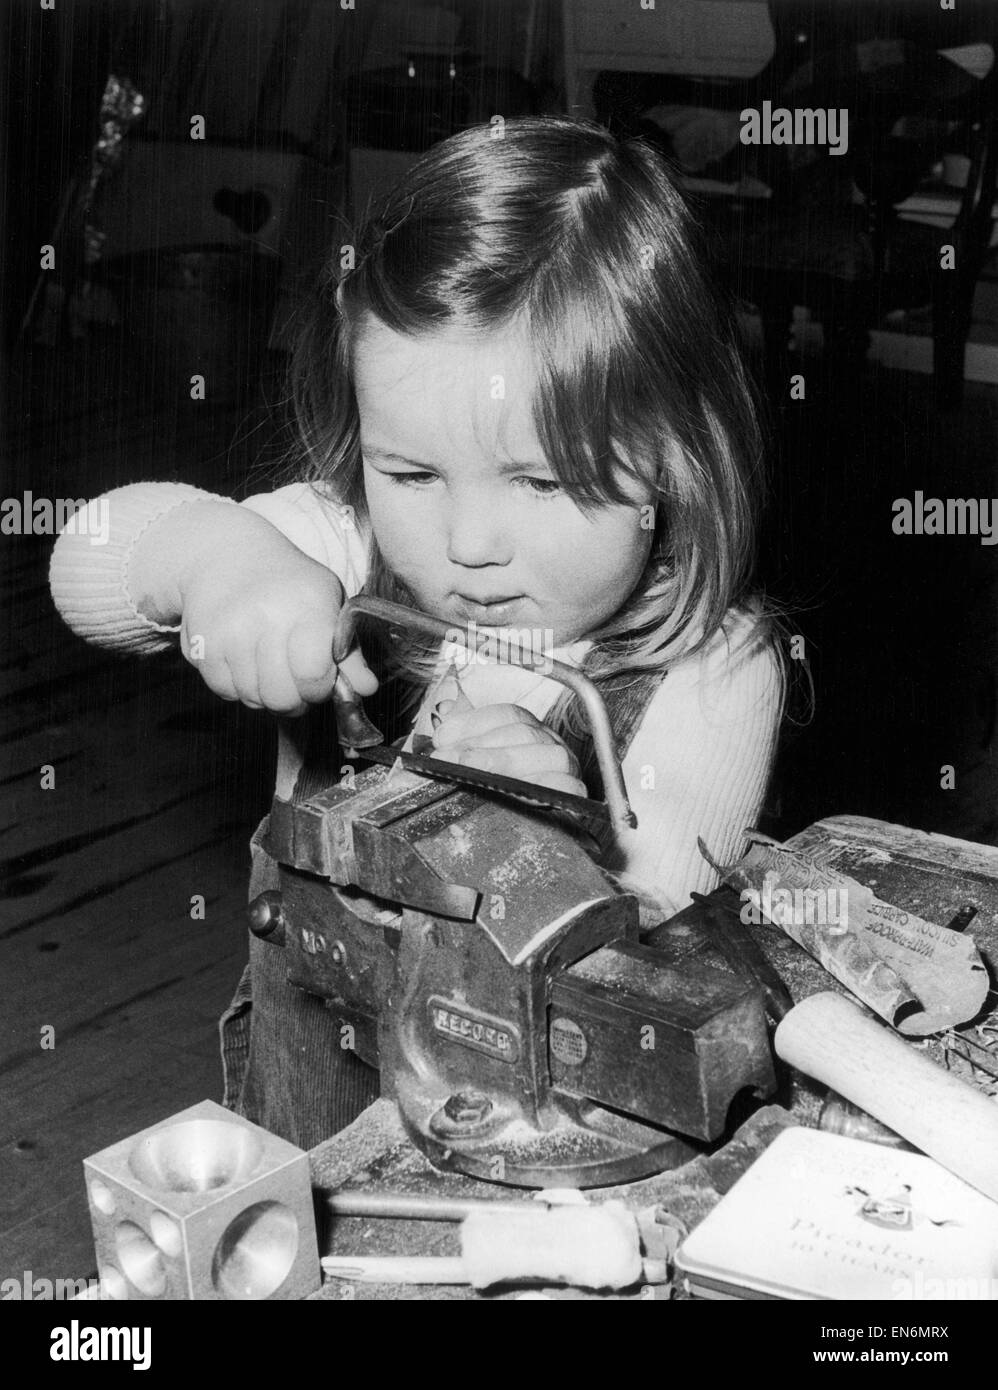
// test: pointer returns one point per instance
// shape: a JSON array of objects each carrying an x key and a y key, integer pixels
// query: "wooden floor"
[
  {"x": 157, "y": 788},
  {"x": 158, "y": 785}
]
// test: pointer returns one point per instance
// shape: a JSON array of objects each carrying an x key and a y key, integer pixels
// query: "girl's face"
[{"x": 465, "y": 510}]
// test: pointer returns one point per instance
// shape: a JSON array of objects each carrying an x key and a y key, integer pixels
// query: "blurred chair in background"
[{"x": 850, "y": 236}]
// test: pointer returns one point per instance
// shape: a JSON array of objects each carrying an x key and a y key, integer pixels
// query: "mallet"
[{"x": 831, "y": 1039}]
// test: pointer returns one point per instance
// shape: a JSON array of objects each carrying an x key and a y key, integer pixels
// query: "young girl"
[{"x": 520, "y": 405}]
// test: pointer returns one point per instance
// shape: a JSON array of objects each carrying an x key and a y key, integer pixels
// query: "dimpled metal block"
[{"x": 203, "y": 1205}]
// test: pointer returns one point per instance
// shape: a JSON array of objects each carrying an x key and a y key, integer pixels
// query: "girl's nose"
[{"x": 477, "y": 533}]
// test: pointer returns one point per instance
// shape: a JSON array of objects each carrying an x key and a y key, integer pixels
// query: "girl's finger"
[
  {"x": 310, "y": 651},
  {"x": 561, "y": 782},
  {"x": 528, "y": 760},
  {"x": 217, "y": 677},
  {"x": 509, "y": 736},
  {"x": 310, "y": 661},
  {"x": 470, "y": 724},
  {"x": 213, "y": 669},
  {"x": 245, "y": 679},
  {"x": 278, "y": 691},
  {"x": 359, "y": 674},
  {"x": 310, "y": 657}
]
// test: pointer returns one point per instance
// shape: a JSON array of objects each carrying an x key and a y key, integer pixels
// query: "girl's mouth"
[{"x": 496, "y": 612}]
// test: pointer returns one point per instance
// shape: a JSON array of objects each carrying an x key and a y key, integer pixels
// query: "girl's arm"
[
  {"x": 699, "y": 765},
  {"x": 89, "y": 574},
  {"x": 254, "y": 612}
]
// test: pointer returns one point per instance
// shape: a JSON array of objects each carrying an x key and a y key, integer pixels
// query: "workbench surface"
[{"x": 931, "y": 875}]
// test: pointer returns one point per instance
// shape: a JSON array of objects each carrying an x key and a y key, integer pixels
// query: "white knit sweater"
[{"x": 698, "y": 763}]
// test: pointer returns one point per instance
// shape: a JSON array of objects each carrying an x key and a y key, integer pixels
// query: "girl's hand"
[
  {"x": 268, "y": 633},
  {"x": 508, "y": 740},
  {"x": 257, "y": 615}
]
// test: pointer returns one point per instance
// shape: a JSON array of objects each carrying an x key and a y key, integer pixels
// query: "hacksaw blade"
[{"x": 591, "y": 815}]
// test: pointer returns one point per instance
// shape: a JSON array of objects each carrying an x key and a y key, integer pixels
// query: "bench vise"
[{"x": 475, "y": 952}]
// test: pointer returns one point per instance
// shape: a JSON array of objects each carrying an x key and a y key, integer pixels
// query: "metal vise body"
[{"x": 495, "y": 975}]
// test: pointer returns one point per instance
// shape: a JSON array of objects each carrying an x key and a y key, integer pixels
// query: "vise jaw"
[{"x": 479, "y": 957}]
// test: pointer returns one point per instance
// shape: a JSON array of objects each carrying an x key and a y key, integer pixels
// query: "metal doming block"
[{"x": 203, "y": 1206}]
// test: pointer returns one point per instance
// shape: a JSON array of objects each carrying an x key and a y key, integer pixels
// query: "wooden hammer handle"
[{"x": 830, "y": 1039}]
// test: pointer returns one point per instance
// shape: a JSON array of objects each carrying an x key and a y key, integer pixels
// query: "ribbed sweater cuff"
[{"x": 89, "y": 581}]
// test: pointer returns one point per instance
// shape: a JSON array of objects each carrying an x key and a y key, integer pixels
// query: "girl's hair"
[{"x": 553, "y": 226}]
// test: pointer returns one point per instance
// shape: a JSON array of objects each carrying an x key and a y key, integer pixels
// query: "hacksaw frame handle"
[{"x": 614, "y": 790}]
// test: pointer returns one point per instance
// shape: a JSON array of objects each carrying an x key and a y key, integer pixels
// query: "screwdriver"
[{"x": 586, "y": 1246}]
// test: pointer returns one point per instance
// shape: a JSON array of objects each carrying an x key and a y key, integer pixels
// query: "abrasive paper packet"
[{"x": 920, "y": 977}]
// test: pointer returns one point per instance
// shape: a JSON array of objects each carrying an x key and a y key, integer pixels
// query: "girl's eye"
[
  {"x": 543, "y": 487},
  {"x": 417, "y": 478}
]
